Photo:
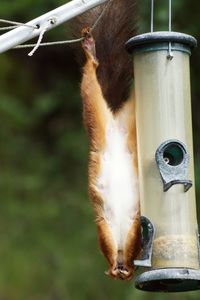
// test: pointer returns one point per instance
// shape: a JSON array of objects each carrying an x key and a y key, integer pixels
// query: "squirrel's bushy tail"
[{"x": 117, "y": 25}]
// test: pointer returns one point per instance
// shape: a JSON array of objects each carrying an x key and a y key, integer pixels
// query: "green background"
[{"x": 48, "y": 243}]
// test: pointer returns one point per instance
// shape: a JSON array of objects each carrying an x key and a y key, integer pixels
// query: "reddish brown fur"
[
  {"x": 118, "y": 24},
  {"x": 96, "y": 117}
]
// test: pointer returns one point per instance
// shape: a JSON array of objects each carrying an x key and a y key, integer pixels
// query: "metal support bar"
[{"x": 49, "y": 20}]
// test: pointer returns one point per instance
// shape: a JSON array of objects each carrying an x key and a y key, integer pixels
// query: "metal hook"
[
  {"x": 170, "y": 55},
  {"x": 170, "y": 52}
]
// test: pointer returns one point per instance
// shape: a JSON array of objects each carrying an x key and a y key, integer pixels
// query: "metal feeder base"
[{"x": 169, "y": 280}]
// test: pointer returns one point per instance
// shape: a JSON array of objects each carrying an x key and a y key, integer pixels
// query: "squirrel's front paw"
[
  {"x": 120, "y": 272},
  {"x": 88, "y": 45}
]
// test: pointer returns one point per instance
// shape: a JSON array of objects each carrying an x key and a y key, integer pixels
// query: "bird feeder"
[{"x": 170, "y": 252}]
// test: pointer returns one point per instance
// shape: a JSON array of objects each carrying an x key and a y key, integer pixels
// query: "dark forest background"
[{"x": 48, "y": 244}]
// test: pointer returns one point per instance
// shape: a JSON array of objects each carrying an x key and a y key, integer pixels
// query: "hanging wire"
[
  {"x": 170, "y": 52},
  {"x": 152, "y": 15},
  {"x": 50, "y": 43},
  {"x": 17, "y": 24},
  {"x": 170, "y": 15},
  {"x": 8, "y": 27},
  {"x": 101, "y": 15},
  {"x": 37, "y": 45}
]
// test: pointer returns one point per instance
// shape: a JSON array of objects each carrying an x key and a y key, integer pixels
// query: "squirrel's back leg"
[
  {"x": 96, "y": 113},
  {"x": 96, "y": 117},
  {"x": 132, "y": 244}
]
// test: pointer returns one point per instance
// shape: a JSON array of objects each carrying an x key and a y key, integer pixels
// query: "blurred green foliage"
[{"x": 48, "y": 244}]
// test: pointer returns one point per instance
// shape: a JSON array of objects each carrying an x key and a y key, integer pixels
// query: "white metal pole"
[{"x": 49, "y": 20}]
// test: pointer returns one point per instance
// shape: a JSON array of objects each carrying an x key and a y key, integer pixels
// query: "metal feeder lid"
[
  {"x": 160, "y": 37},
  {"x": 169, "y": 280}
]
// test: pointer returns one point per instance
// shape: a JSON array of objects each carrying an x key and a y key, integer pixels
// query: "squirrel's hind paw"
[{"x": 88, "y": 45}]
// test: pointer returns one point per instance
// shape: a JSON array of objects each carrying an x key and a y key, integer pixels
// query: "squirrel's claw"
[{"x": 86, "y": 31}]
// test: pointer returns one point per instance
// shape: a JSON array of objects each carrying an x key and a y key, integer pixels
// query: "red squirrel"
[{"x": 109, "y": 118}]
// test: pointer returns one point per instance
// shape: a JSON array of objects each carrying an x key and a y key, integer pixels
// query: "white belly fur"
[{"x": 118, "y": 183}]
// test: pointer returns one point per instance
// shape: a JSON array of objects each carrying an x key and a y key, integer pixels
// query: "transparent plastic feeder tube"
[{"x": 163, "y": 113}]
